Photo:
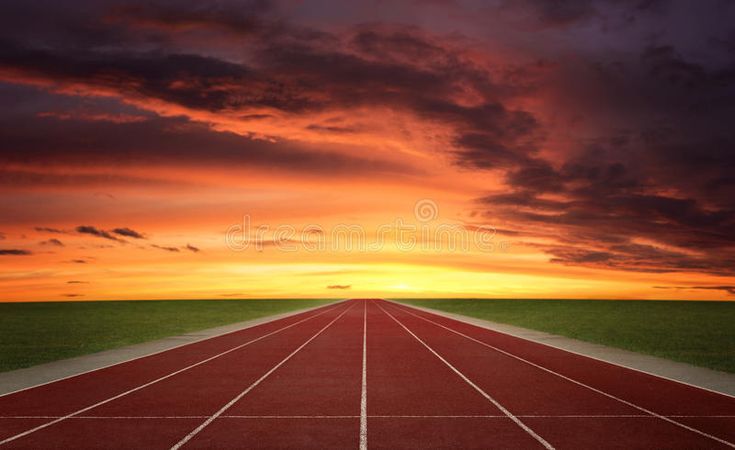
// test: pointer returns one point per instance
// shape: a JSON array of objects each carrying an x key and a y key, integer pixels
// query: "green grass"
[
  {"x": 34, "y": 333},
  {"x": 700, "y": 333}
]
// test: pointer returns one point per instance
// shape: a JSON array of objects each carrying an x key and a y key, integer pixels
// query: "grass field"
[
  {"x": 700, "y": 333},
  {"x": 34, "y": 333}
]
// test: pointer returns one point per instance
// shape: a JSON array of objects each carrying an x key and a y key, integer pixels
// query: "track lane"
[
  {"x": 317, "y": 391},
  {"x": 673, "y": 432},
  {"x": 143, "y": 399},
  {"x": 196, "y": 431},
  {"x": 70, "y": 394},
  {"x": 422, "y": 401},
  {"x": 671, "y": 397}
]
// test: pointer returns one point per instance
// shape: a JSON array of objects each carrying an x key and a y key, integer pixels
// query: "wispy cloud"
[
  {"x": 53, "y": 242},
  {"x": 50, "y": 230},
  {"x": 14, "y": 252},
  {"x": 93, "y": 231},
  {"x": 729, "y": 289},
  {"x": 168, "y": 249},
  {"x": 339, "y": 286},
  {"x": 127, "y": 232}
]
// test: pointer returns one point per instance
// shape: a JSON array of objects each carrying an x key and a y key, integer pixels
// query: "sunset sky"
[{"x": 596, "y": 139}]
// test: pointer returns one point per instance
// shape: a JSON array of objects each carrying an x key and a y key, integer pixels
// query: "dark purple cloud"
[
  {"x": 168, "y": 249},
  {"x": 663, "y": 176},
  {"x": 291, "y": 69},
  {"x": 729, "y": 289},
  {"x": 14, "y": 252},
  {"x": 24, "y": 179},
  {"x": 93, "y": 231},
  {"x": 629, "y": 165},
  {"x": 161, "y": 142},
  {"x": 128, "y": 232},
  {"x": 544, "y": 14},
  {"x": 50, "y": 230},
  {"x": 244, "y": 18},
  {"x": 54, "y": 242}
]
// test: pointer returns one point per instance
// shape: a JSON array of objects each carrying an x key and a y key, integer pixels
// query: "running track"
[{"x": 366, "y": 374}]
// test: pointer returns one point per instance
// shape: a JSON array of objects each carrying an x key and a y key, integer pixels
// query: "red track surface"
[{"x": 366, "y": 374}]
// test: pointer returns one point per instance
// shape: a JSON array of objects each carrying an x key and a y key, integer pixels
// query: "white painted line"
[
  {"x": 382, "y": 416},
  {"x": 134, "y": 417},
  {"x": 423, "y": 416},
  {"x": 534, "y": 416},
  {"x": 130, "y": 391},
  {"x": 579, "y": 383},
  {"x": 221, "y": 411},
  {"x": 510, "y": 415},
  {"x": 288, "y": 417},
  {"x": 255, "y": 322},
  {"x": 104, "y": 417},
  {"x": 363, "y": 395}
]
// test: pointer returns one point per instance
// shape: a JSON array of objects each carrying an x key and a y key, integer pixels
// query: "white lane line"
[
  {"x": 384, "y": 416},
  {"x": 288, "y": 417},
  {"x": 579, "y": 383},
  {"x": 422, "y": 416},
  {"x": 105, "y": 417},
  {"x": 221, "y": 411},
  {"x": 510, "y": 415},
  {"x": 143, "y": 386},
  {"x": 363, "y": 395}
]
